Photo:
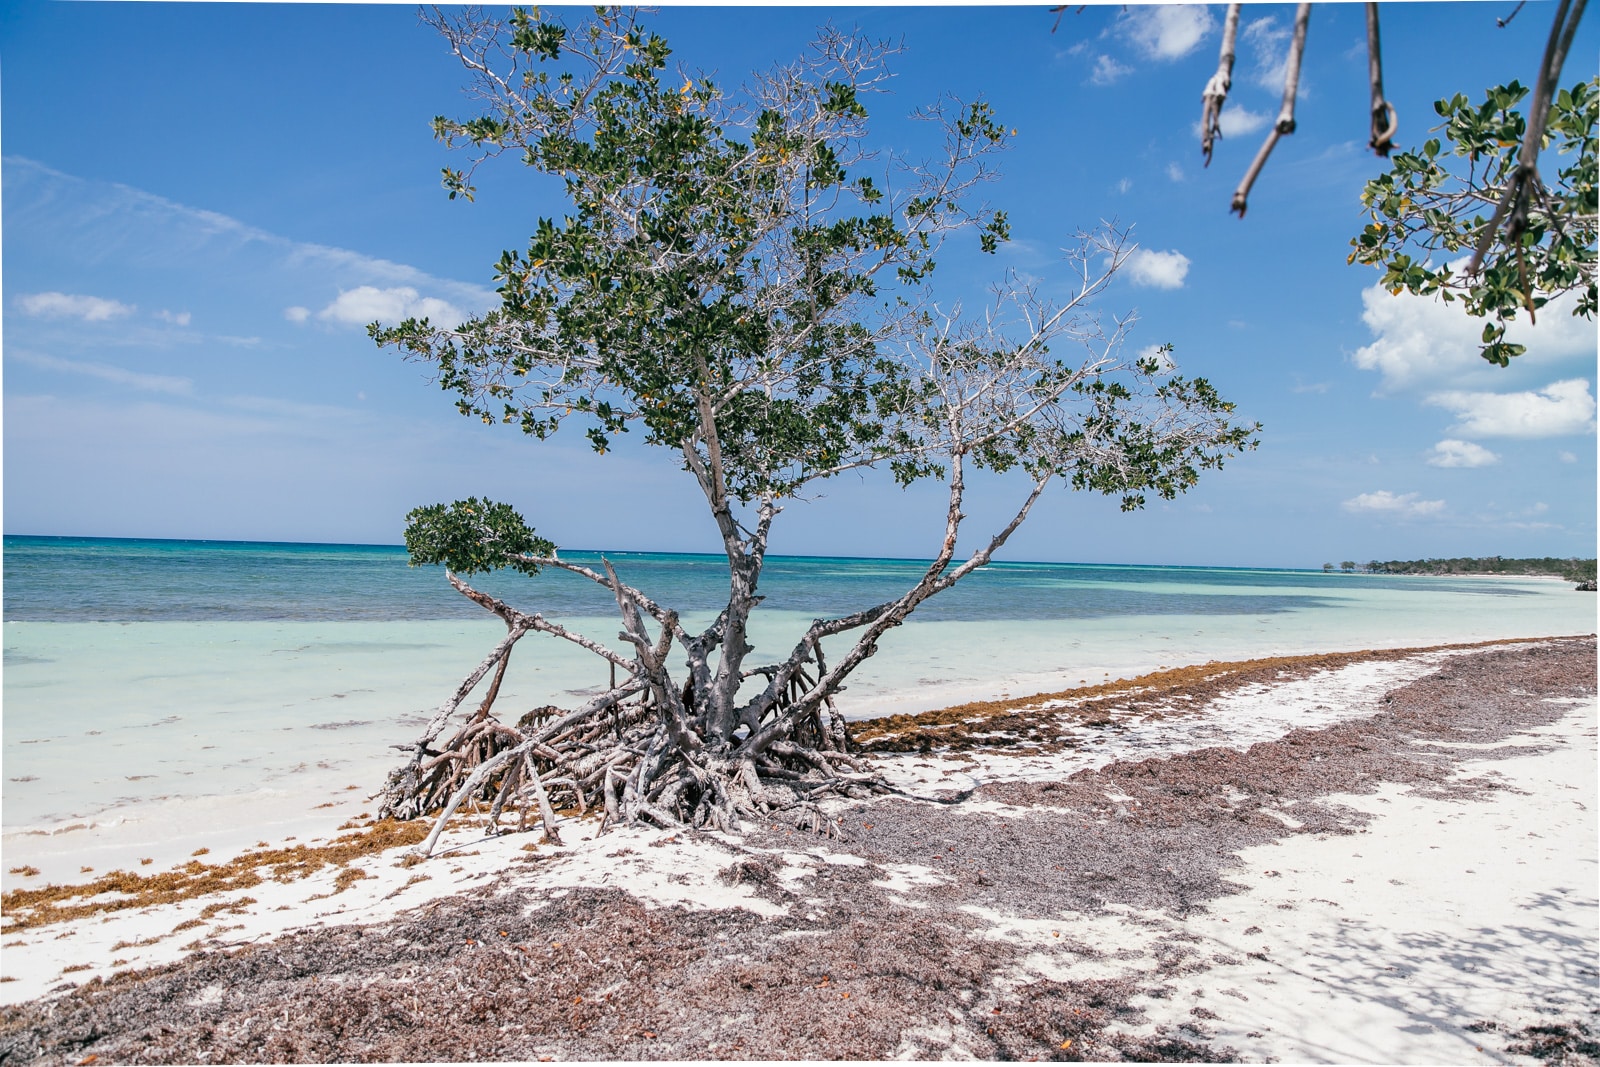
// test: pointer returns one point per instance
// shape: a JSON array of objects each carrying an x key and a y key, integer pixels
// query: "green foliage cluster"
[
  {"x": 1150, "y": 460},
  {"x": 668, "y": 272},
  {"x": 1435, "y": 202},
  {"x": 730, "y": 282},
  {"x": 473, "y": 536},
  {"x": 1576, "y": 570}
]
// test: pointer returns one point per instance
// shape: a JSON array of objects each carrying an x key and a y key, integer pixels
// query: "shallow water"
[{"x": 143, "y": 674}]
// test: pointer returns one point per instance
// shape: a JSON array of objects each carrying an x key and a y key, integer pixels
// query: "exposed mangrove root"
[{"x": 637, "y": 754}]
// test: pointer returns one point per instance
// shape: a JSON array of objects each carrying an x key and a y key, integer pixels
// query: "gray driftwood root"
[{"x": 634, "y": 753}]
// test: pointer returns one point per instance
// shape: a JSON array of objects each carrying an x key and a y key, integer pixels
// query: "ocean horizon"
[
  {"x": 565, "y": 551},
  {"x": 127, "y": 579},
  {"x": 153, "y": 679}
]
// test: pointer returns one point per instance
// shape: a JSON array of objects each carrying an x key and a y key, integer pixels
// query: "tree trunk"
[{"x": 666, "y": 751}]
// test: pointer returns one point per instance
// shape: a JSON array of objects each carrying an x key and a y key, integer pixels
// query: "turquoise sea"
[
  {"x": 72, "y": 579},
  {"x": 187, "y": 679}
]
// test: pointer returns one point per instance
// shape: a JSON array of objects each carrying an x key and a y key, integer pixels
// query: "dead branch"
[
  {"x": 1512, "y": 209},
  {"x": 1385, "y": 122},
  {"x": 1503, "y": 23},
  {"x": 1215, "y": 93},
  {"x": 1285, "y": 124}
]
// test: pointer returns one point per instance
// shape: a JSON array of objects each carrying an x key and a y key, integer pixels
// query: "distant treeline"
[{"x": 1575, "y": 570}]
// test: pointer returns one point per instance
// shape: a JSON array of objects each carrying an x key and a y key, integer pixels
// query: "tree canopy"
[
  {"x": 1436, "y": 207},
  {"x": 1477, "y": 188},
  {"x": 739, "y": 279}
]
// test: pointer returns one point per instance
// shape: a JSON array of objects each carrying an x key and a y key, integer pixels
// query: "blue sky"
[{"x": 204, "y": 204}]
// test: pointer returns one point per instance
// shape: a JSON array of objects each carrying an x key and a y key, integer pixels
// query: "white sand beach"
[{"x": 1383, "y": 934}]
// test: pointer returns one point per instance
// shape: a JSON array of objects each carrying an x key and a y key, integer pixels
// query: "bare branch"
[
  {"x": 1385, "y": 122},
  {"x": 1512, "y": 209},
  {"x": 1285, "y": 124},
  {"x": 1215, "y": 93}
]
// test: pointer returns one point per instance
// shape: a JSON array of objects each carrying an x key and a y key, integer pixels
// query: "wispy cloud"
[
  {"x": 73, "y": 306},
  {"x": 1269, "y": 41},
  {"x": 151, "y": 383},
  {"x": 1158, "y": 270},
  {"x": 118, "y": 219},
  {"x": 1453, "y": 453},
  {"x": 1237, "y": 121},
  {"x": 1168, "y": 31},
  {"x": 1558, "y": 409},
  {"x": 366, "y": 303},
  {"x": 1107, "y": 71},
  {"x": 1383, "y": 502},
  {"x": 266, "y": 405},
  {"x": 179, "y": 318}
]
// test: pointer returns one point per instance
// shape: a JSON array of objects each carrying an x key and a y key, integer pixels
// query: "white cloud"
[
  {"x": 1270, "y": 43},
  {"x": 366, "y": 303},
  {"x": 180, "y": 318},
  {"x": 1235, "y": 121},
  {"x": 73, "y": 306},
  {"x": 1163, "y": 359},
  {"x": 1559, "y": 408},
  {"x": 150, "y": 383},
  {"x": 115, "y": 218},
  {"x": 1168, "y": 31},
  {"x": 1160, "y": 270},
  {"x": 1107, "y": 70},
  {"x": 1566, "y": 457},
  {"x": 1383, "y": 502},
  {"x": 1421, "y": 338},
  {"x": 297, "y": 314},
  {"x": 1453, "y": 453},
  {"x": 1174, "y": 172},
  {"x": 1124, "y": 185}
]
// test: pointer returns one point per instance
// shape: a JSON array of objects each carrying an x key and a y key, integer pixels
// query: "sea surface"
[{"x": 187, "y": 680}]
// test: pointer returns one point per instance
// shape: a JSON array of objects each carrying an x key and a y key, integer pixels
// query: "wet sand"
[{"x": 1383, "y": 858}]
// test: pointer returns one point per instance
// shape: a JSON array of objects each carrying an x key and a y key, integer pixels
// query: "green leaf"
[{"x": 473, "y": 536}]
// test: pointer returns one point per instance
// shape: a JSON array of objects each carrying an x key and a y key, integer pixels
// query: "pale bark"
[
  {"x": 1512, "y": 209},
  {"x": 1285, "y": 123},
  {"x": 1385, "y": 122},
  {"x": 684, "y": 740},
  {"x": 1215, "y": 94}
]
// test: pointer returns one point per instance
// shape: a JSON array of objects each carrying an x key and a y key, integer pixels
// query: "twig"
[
  {"x": 1061, "y": 9},
  {"x": 1285, "y": 123},
  {"x": 1503, "y": 23},
  {"x": 494, "y": 688}
]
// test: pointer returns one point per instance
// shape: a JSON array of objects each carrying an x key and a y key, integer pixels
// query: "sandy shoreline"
[{"x": 1390, "y": 859}]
